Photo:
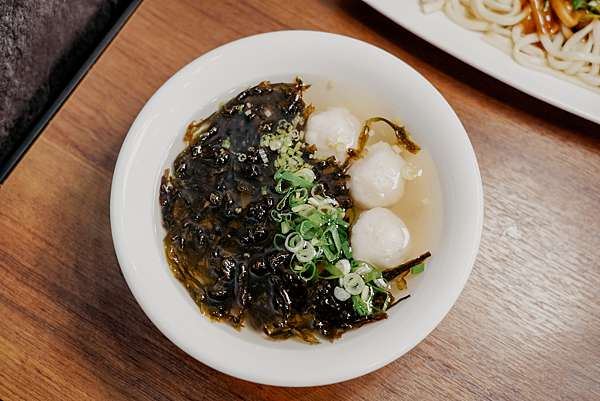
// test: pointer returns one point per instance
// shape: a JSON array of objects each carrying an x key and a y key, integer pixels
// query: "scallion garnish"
[
  {"x": 314, "y": 229},
  {"x": 417, "y": 269}
]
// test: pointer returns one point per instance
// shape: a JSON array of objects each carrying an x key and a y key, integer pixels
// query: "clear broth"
[{"x": 420, "y": 207}]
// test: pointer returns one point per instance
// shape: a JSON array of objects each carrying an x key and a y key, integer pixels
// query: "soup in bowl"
[{"x": 302, "y": 197}]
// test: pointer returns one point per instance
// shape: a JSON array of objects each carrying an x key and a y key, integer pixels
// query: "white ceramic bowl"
[{"x": 155, "y": 138}]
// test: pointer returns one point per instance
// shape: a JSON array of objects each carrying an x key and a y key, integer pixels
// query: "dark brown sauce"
[
  {"x": 219, "y": 244},
  {"x": 544, "y": 19}
]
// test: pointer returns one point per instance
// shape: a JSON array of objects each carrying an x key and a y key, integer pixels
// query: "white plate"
[
  {"x": 155, "y": 138},
  {"x": 470, "y": 47}
]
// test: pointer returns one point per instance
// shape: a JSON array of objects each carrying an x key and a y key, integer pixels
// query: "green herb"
[
  {"x": 404, "y": 267},
  {"x": 417, "y": 269},
  {"x": 346, "y": 249},
  {"x": 360, "y": 306},
  {"x": 293, "y": 179},
  {"x": 333, "y": 271},
  {"x": 372, "y": 275},
  {"x": 312, "y": 225},
  {"x": 314, "y": 229}
]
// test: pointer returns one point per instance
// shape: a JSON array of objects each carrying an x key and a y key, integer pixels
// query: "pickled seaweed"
[{"x": 216, "y": 205}]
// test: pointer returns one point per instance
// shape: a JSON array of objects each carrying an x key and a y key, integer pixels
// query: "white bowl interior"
[{"x": 194, "y": 92}]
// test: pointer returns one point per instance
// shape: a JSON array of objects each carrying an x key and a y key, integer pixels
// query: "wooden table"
[{"x": 527, "y": 326}]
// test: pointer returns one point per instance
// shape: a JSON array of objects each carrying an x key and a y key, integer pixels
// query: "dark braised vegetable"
[
  {"x": 406, "y": 266},
  {"x": 217, "y": 206},
  {"x": 400, "y": 132}
]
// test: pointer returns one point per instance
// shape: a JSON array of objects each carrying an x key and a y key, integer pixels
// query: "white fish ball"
[
  {"x": 380, "y": 238},
  {"x": 333, "y": 132},
  {"x": 376, "y": 179}
]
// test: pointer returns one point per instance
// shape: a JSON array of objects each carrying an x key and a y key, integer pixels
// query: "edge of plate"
[{"x": 487, "y": 69}]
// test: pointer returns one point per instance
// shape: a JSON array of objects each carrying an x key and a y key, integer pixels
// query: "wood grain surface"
[{"x": 526, "y": 327}]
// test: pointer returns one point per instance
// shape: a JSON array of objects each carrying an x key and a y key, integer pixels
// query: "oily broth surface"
[{"x": 420, "y": 207}]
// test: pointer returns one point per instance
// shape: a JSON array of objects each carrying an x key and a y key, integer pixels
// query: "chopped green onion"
[
  {"x": 303, "y": 210},
  {"x": 306, "y": 174},
  {"x": 293, "y": 179},
  {"x": 307, "y": 229},
  {"x": 341, "y": 294},
  {"x": 360, "y": 306},
  {"x": 298, "y": 197},
  {"x": 310, "y": 271},
  {"x": 381, "y": 283},
  {"x": 306, "y": 253},
  {"x": 293, "y": 242},
  {"x": 283, "y": 201},
  {"x": 346, "y": 249},
  {"x": 276, "y": 216},
  {"x": 328, "y": 254},
  {"x": 353, "y": 283},
  {"x": 314, "y": 228},
  {"x": 343, "y": 265},
  {"x": 336, "y": 238},
  {"x": 417, "y": 269},
  {"x": 342, "y": 223},
  {"x": 334, "y": 271},
  {"x": 371, "y": 276},
  {"x": 363, "y": 269},
  {"x": 316, "y": 218},
  {"x": 366, "y": 293}
]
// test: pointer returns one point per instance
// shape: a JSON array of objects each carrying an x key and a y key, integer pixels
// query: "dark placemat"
[{"x": 42, "y": 46}]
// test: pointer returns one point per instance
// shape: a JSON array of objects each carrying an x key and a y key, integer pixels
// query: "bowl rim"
[{"x": 118, "y": 187}]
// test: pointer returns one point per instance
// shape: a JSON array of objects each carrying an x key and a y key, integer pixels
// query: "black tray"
[{"x": 38, "y": 126}]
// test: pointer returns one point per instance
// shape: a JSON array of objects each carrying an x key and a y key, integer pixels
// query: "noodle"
[{"x": 550, "y": 36}]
